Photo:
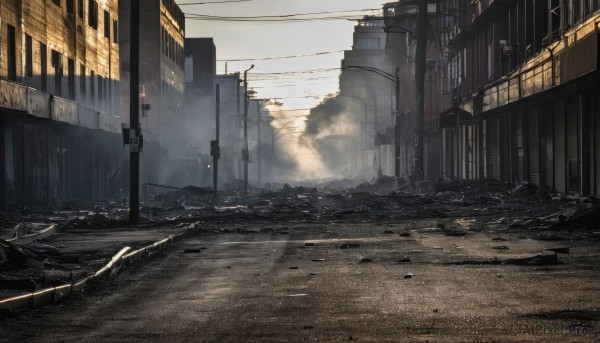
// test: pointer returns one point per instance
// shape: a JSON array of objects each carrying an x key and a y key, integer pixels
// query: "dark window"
[
  {"x": 44, "y": 67},
  {"x": 58, "y": 71},
  {"x": 71, "y": 78},
  {"x": 12, "y": 53},
  {"x": 71, "y": 6},
  {"x": 80, "y": 9},
  {"x": 100, "y": 91},
  {"x": 92, "y": 87},
  {"x": 56, "y": 2},
  {"x": 115, "y": 32},
  {"x": 107, "y": 24},
  {"x": 82, "y": 83},
  {"x": 28, "y": 56},
  {"x": 93, "y": 14}
]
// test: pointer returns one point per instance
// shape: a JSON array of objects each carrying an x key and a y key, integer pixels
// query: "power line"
[
  {"x": 281, "y": 57},
  {"x": 280, "y": 16},
  {"x": 212, "y": 2}
]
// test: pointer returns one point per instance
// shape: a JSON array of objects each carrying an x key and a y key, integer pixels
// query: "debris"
[
  {"x": 500, "y": 247},
  {"x": 408, "y": 276},
  {"x": 319, "y": 260},
  {"x": 587, "y": 219},
  {"x": 349, "y": 245},
  {"x": 293, "y": 267},
  {"x": 388, "y": 232},
  {"x": 404, "y": 260},
  {"x": 561, "y": 250},
  {"x": 365, "y": 260},
  {"x": 191, "y": 251}
]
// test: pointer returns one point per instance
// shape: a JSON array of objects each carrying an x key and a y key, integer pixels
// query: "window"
[
  {"x": 107, "y": 25},
  {"x": 80, "y": 9},
  {"x": 367, "y": 44},
  {"x": 92, "y": 88},
  {"x": 44, "y": 67},
  {"x": 93, "y": 14},
  {"x": 71, "y": 78},
  {"x": 71, "y": 7},
  {"x": 56, "y": 2},
  {"x": 28, "y": 56},
  {"x": 82, "y": 83},
  {"x": 57, "y": 65},
  {"x": 115, "y": 32},
  {"x": 12, "y": 53}
]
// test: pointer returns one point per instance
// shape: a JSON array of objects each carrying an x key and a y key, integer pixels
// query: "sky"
[{"x": 248, "y": 40}]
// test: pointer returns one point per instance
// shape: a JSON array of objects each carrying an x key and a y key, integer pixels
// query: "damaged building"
[
  {"x": 200, "y": 106},
  {"x": 523, "y": 76},
  {"x": 162, "y": 32},
  {"x": 59, "y": 72}
]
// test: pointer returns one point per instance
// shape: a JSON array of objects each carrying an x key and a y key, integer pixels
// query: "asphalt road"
[{"x": 335, "y": 282}]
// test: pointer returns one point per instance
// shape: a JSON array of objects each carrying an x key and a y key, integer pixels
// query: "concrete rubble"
[{"x": 525, "y": 208}]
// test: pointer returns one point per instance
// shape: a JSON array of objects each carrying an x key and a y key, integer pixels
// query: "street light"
[
  {"x": 396, "y": 79},
  {"x": 245, "y": 154}
]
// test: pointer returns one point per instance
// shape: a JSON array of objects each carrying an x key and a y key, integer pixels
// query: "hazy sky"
[{"x": 241, "y": 40}]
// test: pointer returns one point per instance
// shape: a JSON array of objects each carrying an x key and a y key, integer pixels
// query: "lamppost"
[
  {"x": 245, "y": 154},
  {"x": 396, "y": 79}
]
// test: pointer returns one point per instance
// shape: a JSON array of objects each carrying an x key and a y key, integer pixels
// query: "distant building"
[
  {"x": 232, "y": 129},
  {"x": 371, "y": 94},
  {"x": 162, "y": 32},
  {"x": 200, "y": 104},
  {"x": 59, "y": 72}
]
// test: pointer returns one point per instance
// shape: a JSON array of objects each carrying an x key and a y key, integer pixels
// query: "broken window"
[{"x": 56, "y": 2}]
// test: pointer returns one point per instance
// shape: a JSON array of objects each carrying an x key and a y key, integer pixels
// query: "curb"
[
  {"x": 21, "y": 236},
  {"x": 53, "y": 295}
]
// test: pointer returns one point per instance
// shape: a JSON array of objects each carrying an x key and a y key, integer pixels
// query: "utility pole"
[
  {"x": 134, "y": 116},
  {"x": 396, "y": 127},
  {"x": 420, "y": 69},
  {"x": 215, "y": 149},
  {"x": 258, "y": 122},
  {"x": 245, "y": 153}
]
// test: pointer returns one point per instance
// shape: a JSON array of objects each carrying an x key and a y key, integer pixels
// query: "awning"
[{"x": 455, "y": 116}]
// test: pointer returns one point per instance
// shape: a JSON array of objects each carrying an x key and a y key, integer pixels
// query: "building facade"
[
  {"x": 59, "y": 72},
  {"x": 162, "y": 32},
  {"x": 200, "y": 105},
  {"x": 370, "y": 96},
  {"x": 524, "y": 84}
]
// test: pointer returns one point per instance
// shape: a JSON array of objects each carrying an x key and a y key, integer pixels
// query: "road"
[{"x": 285, "y": 282}]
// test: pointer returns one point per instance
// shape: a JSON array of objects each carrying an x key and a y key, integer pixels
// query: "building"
[
  {"x": 525, "y": 92},
  {"x": 232, "y": 128},
  {"x": 401, "y": 27},
  {"x": 162, "y": 32},
  {"x": 200, "y": 106},
  {"x": 369, "y": 96},
  {"x": 59, "y": 72}
]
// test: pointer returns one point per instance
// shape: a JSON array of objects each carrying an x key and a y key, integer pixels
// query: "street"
[{"x": 407, "y": 281}]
